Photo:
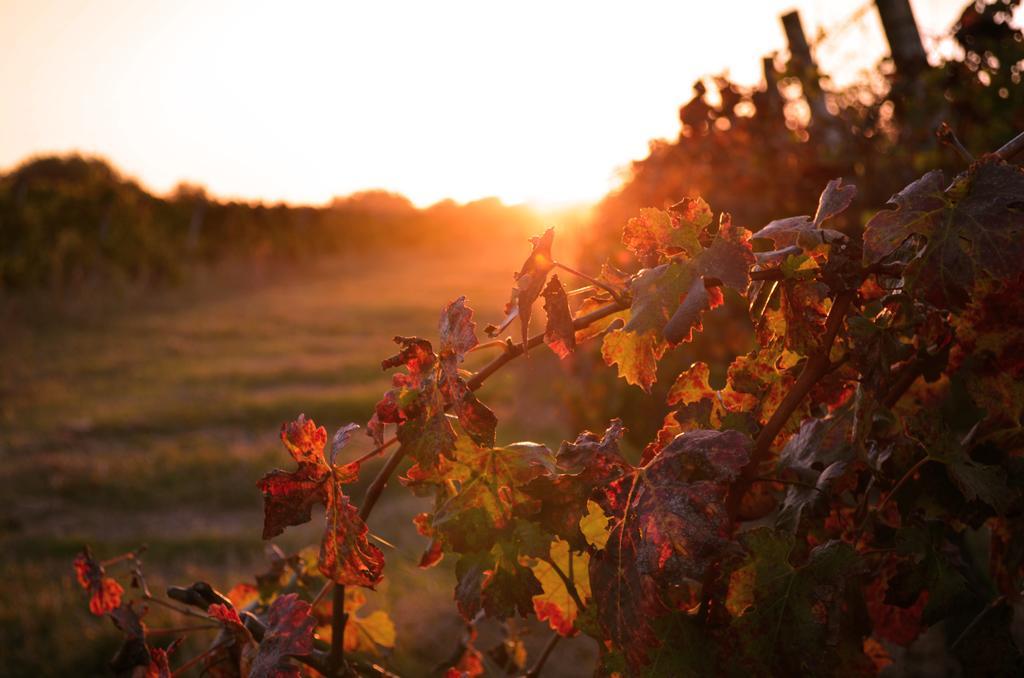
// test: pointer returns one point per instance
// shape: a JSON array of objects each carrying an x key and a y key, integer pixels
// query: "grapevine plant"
[{"x": 852, "y": 490}]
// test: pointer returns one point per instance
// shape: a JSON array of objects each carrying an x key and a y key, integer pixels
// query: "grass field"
[{"x": 148, "y": 418}]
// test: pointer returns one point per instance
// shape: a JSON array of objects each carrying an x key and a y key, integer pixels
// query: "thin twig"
[
  {"x": 947, "y": 136},
  {"x": 377, "y": 450},
  {"x": 817, "y": 366},
  {"x": 548, "y": 649},
  {"x": 131, "y": 555},
  {"x": 1011, "y": 147},
  {"x": 195, "y": 660},
  {"x": 977, "y": 620},
  {"x": 493, "y": 343},
  {"x": 797, "y": 483},
  {"x": 180, "y": 610},
  {"x": 911, "y": 472},
  {"x": 323, "y": 592},
  {"x": 515, "y": 350},
  {"x": 180, "y": 629},
  {"x": 885, "y": 500},
  {"x": 616, "y": 294}
]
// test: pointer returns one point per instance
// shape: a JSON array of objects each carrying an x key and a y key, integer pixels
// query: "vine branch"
[{"x": 544, "y": 655}]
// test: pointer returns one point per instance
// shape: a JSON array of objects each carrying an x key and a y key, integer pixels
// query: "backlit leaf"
[
  {"x": 104, "y": 592},
  {"x": 559, "y": 335}
]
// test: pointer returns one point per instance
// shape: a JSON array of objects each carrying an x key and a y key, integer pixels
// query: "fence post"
[
  {"x": 806, "y": 69},
  {"x": 902, "y": 34}
]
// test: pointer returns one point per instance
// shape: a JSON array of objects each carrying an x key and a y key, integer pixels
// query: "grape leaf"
[
  {"x": 808, "y": 233},
  {"x": 133, "y": 651},
  {"x": 817, "y": 456},
  {"x": 668, "y": 524},
  {"x": 785, "y": 611},
  {"x": 657, "y": 232},
  {"x": 289, "y": 633},
  {"x": 367, "y": 634},
  {"x": 289, "y": 497},
  {"x": 931, "y": 566},
  {"x": 559, "y": 334},
  {"x": 458, "y": 336},
  {"x": 496, "y": 583},
  {"x": 492, "y": 484},
  {"x": 240, "y": 652},
  {"x": 989, "y": 350},
  {"x": 583, "y": 465},
  {"x": 555, "y": 604},
  {"x": 104, "y": 592},
  {"x": 346, "y": 557},
  {"x": 974, "y": 480},
  {"x": 973, "y": 229},
  {"x": 418, "y": 399},
  {"x": 636, "y": 355},
  {"x": 668, "y": 300}
]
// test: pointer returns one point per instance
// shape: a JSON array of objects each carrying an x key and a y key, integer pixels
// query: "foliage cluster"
[
  {"x": 758, "y": 153},
  {"x": 830, "y": 508},
  {"x": 65, "y": 221}
]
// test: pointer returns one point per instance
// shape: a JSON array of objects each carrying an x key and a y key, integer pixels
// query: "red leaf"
[
  {"x": 104, "y": 592},
  {"x": 289, "y": 634},
  {"x": 290, "y": 496},
  {"x": 346, "y": 557}
]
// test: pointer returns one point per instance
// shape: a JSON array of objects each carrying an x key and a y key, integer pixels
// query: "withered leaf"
[
  {"x": 529, "y": 283},
  {"x": 559, "y": 334},
  {"x": 807, "y": 233}
]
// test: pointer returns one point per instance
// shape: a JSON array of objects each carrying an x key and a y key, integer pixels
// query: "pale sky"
[{"x": 300, "y": 101}]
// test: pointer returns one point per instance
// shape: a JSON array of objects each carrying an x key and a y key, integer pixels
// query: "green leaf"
[{"x": 785, "y": 611}]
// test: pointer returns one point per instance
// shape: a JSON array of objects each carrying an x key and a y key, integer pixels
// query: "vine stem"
[
  {"x": 1011, "y": 147},
  {"x": 542, "y": 660},
  {"x": 180, "y": 629},
  {"x": 180, "y": 610},
  {"x": 977, "y": 620},
  {"x": 336, "y": 658},
  {"x": 817, "y": 366},
  {"x": 180, "y": 671}
]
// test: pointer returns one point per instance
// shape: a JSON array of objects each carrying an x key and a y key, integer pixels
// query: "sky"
[{"x": 541, "y": 102}]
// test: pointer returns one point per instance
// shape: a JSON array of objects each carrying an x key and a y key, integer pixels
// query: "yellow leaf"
[
  {"x": 556, "y": 604},
  {"x": 594, "y": 525}
]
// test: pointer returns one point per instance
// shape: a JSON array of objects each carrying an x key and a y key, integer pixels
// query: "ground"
[{"x": 148, "y": 416}]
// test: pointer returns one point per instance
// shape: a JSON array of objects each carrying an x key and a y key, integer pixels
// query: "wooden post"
[
  {"x": 904, "y": 39},
  {"x": 798, "y": 46},
  {"x": 806, "y": 69}
]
